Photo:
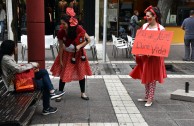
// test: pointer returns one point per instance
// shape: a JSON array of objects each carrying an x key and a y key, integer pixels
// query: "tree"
[{"x": 164, "y": 6}]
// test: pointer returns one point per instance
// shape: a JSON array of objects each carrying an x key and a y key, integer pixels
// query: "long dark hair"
[
  {"x": 7, "y": 48},
  {"x": 158, "y": 14},
  {"x": 71, "y": 32}
]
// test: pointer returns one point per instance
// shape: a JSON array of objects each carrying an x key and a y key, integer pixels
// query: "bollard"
[{"x": 186, "y": 87}]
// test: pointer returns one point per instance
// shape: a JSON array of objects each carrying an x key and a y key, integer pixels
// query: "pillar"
[
  {"x": 36, "y": 31},
  {"x": 9, "y": 19},
  {"x": 97, "y": 15}
]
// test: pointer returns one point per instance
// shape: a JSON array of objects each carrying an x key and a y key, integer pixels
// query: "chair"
[
  {"x": 50, "y": 44},
  {"x": 119, "y": 43},
  {"x": 131, "y": 42},
  {"x": 92, "y": 46}
]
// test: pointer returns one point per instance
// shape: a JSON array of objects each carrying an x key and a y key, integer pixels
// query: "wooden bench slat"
[
  {"x": 17, "y": 108},
  {"x": 19, "y": 115}
]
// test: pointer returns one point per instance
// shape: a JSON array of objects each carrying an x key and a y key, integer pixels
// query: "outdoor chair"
[
  {"x": 119, "y": 43},
  {"x": 92, "y": 47},
  {"x": 131, "y": 42},
  {"x": 50, "y": 44}
]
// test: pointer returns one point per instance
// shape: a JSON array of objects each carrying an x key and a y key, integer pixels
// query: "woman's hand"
[
  {"x": 61, "y": 63},
  {"x": 78, "y": 47},
  {"x": 36, "y": 69}
]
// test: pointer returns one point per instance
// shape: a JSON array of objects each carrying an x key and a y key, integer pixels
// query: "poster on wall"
[{"x": 112, "y": 15}]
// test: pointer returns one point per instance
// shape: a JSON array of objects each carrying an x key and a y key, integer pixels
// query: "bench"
[{"x": 17, "y": 109}]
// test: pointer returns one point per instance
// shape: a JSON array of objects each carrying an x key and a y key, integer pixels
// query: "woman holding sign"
[{"x": 150, "y": 69}]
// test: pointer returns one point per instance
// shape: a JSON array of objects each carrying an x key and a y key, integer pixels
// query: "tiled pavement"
[{"x": 113, "y": 97}]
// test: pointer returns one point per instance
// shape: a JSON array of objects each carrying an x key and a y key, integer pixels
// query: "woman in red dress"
[
  {"x": 71, "y": 63},
  {"x": 150, "y": 69}
]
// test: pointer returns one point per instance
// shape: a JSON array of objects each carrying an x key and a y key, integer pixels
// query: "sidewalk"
[{"x": 113, "y": 96}]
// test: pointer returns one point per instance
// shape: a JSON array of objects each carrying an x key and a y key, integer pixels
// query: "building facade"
[{"x": 90, "y": 15}]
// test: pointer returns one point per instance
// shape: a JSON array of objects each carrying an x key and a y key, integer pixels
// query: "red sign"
[{"x": 154, "y": 43}]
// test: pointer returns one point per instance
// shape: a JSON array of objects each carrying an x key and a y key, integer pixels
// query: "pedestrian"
[
  {"x": 188, "y": 26},
  {"x": 150, "y": 69},
  {"x": 134, "y": 23},
  {"x": 2, "y": 21},
  {"x": 71, "y": 63},
  {"x": 9, "y": 68}
]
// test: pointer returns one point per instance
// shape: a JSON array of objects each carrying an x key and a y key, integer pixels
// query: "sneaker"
[
  {"x": 49, "y": 110},
  {"x": 58, "y": 99},
  {"x": 56, "y": 94}
]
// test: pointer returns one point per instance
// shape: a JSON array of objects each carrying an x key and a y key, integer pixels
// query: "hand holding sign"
[{"x": 154, "y": 43}]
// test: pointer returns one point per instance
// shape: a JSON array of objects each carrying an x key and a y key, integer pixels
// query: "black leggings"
[{"x": 81, "y": 84}]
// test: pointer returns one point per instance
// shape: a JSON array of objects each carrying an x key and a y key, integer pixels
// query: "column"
[
  {"x": 36, "y": 31},
  {"x": 97, "y": 14},
  {"x": 9, "y": 13}
]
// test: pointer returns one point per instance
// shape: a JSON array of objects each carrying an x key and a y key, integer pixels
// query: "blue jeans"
[
  {"x": 43, "y": 82},
  {"x": 133, "y": 31},
  {"x": 189, "y": 54},
  {"x": 2, "y": 28}
]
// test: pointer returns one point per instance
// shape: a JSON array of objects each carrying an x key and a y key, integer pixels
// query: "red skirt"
[
  {"x": 71, "y": 72},
  {"x": 149, "y": 69}
]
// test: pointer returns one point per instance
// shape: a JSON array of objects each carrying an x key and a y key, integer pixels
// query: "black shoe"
[
  {"x": 85, "y": 98},
  {"x": 49, "y": 110},
  {"x": 186, "y": 59},
  {"x": 56, "y": 94}
]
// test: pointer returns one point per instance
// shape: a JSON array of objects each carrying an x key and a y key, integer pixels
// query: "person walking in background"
[
  {"x": 71, "y": 63},
  {"x": 9, "y": 67},
  {"x": 150, "y": 69},
  {"x": 2, "y": 21},
  {"x": 188, "y": 26},
  {"x": 134, "y": 23}
]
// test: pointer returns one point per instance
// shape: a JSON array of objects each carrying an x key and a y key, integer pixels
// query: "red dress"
[
  {"x": 149, "y": 69},
  {"x": 71, "y": 72}
]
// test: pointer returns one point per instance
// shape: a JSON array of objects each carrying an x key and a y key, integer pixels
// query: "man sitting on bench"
[{"x": 9, "y": 67}]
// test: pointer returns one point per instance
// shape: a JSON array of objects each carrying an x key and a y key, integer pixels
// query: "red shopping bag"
[{"x": 24, "y": 81}]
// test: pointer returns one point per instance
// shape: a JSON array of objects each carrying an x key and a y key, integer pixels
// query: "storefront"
[
  {"x": 90, "y": 15},
  {"x": 120, "y": 12},
  {"x": 54, "y": 10}
]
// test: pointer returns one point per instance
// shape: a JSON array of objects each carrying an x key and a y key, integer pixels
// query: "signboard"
[
  {"x": 112, "y": 15},
  {"x": 154, "y": 43}
]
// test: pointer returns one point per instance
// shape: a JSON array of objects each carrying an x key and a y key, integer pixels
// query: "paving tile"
[
  {"x": 175, "y": 108},
  {"x": 158, "y": 115},
  {"x": 101, "y": 118},
  {"x": 158, "y": 122},
  {"x": 182, "y": 115},
  {"x": 185, "y": 122}
]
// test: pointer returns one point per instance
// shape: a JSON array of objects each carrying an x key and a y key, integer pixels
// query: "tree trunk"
[{"x": 164, "y": 6}]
